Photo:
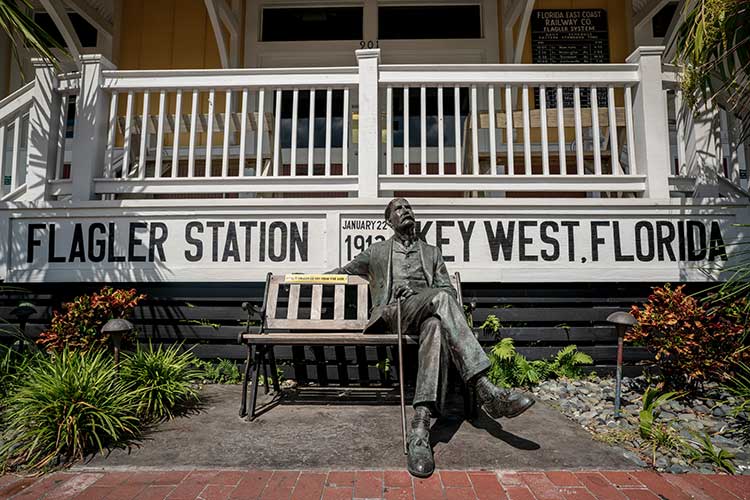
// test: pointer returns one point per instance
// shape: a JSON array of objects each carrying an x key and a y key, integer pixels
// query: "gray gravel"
[{"x": 590, "y": 403}]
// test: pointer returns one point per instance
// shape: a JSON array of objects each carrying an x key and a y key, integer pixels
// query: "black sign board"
[{"x": 570, "y": 36}]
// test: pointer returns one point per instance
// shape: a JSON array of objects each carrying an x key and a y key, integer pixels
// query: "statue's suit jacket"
[{"x": 377, "y": 264}]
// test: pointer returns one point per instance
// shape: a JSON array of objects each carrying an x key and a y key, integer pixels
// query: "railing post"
[
  {"x": 369, "y": 126},
  {"x": 90, "y": 128},
  {"x": 43, "y": 130},
  {"x": 651, "y": 129}
]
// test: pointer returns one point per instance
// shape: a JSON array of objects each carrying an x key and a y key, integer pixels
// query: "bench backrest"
[{"x": 296, "y": 293}]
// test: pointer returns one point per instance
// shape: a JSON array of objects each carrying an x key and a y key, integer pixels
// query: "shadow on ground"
[{"x": 356, "y": 428}]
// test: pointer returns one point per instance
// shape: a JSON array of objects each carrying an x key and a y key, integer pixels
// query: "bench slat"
[
  {"x": 273, "y": 299},
  {"x": 317, "y": 301},
  {"x": 293, "y": 311},
  {"x": 362, "y": 302},
  {"x": 316, "y": 338},
  {"x": 338, "y": 303}
]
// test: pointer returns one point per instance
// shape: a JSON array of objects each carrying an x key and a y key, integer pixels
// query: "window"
[
  {"x": 662, "y": 19},
  {"x": 86, "y": 33},
  {"x": 422, "y": 22},
  {"x": 311, "y": 23}
]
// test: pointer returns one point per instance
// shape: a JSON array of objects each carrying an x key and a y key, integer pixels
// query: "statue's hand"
[{"x": 404, "y": 292}]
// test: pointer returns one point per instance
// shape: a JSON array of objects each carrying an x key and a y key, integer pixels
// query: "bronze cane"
[{"x": 401, "y": 374}]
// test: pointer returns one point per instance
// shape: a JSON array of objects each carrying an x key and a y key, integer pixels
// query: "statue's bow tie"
[{"x": 408, "y": 241}]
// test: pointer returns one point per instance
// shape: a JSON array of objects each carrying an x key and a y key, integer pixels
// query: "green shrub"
[
  {"x": 223, "y": 371},
  {"x": 508, "y": 368},
  {"x": 11, "y": 364},
  {"x": 64, "y": 407},
  {"x": 691, "y": 343},
  {"x": 79, "y": 327},
  {"x": 568, "y": 362},
  {"x": 164, "y": 378}
]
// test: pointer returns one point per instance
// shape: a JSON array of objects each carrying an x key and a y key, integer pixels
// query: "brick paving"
[{"x": 373, "y": 484}]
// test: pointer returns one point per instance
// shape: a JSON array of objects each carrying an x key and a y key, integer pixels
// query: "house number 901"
[{"x": 369, "y": 44}]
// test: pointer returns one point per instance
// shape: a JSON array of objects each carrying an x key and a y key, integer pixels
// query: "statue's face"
[{"x": 402, "y": 216}]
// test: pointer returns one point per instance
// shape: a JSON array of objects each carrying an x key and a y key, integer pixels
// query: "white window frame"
[{"x": 341, "y": 52}]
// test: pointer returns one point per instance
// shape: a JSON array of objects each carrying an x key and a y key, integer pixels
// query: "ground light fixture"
[
  {"x": 622, "y": 321},
  {"x": 23, "y": 312},
  {"x": 116, "y": 328}
]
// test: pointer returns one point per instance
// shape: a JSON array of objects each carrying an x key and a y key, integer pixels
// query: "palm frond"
[{"x": 25, "y": 33}]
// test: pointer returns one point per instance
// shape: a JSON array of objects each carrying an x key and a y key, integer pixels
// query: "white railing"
[
  {"x": 511, "y": 128},
  {"x": 14, "y": 125},
  {"x": 206, "y": 131},
  {"x": 376, "y": 130}
]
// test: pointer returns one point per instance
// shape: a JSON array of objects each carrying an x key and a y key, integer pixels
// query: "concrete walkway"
[
  {"x": 296, "y": 485},
  {"x": 357, "y": 428}
]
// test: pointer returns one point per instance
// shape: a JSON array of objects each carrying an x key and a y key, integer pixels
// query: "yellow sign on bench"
[{"x": 318, "y": 279}]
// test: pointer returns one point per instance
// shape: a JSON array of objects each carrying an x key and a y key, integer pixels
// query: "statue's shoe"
[
  {"x": 498, "y": 402},
  {"x": 419, "y": 460}
]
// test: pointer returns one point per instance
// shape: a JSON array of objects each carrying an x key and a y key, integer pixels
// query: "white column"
[
  {"x": 43, "y": 130},
  {"x": 369, "y": 127},
  {"x": 92, "y": 109},
  {"x": 650, "y": 122}
]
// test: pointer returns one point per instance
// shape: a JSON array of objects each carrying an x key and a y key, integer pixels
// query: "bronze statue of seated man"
[{"x": 404, "y": 267}]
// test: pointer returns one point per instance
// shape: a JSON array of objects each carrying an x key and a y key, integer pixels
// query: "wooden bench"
[{"x": 286, "y": 322}]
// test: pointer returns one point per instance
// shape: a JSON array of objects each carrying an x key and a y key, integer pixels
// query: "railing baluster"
[
  {"x": 329, "y": 126},
  {"x": 227, "y": 134},
  {"x": 561, "y": 130},
  {"x": 614, "y": 148},
  {"x": 457, "y": 127},
  {"x": 474, "y": 132},
  {"x": 509, "y": 128},
  {"x": 243, "y": 134},
  {"x": 277, "y": 134},
  {"x": 632, "y": 167},
  {"x": 441, "y": 132},
  {"x": 579, "y": 129},
  {"x": 311, "y": 135},
  {"x": 110, "y": 152},
  {"x": 176, "y": 134},
  {"x": 293, "y": 160},
  {"x": 526, "y": 130},
  {"x": 126, "y": 140},
  {"x": 543, "y": 127},
  {"x": 210, "y": 133},
  {"x": 406, "y": 130},
  {"x": 15, "y": 164},
  {"x": 680, "y": 131},
  {"x": 389, "y": 130},
  {"x": 144, "y": 136},
  {"x": 61, "y": 126},
  {"x": 193, "y": 132},
  {"x": 595, "y": 130},
  {"x": 345, "y": 138},
  {"x": 493, "y": 126},
  {"x": 160, "y": 132},
  {"x": 423, "y": 130},
  {"x": 260, "y": 122}
]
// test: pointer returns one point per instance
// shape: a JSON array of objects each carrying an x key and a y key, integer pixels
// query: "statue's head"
[{"x": 399, "y": 215}]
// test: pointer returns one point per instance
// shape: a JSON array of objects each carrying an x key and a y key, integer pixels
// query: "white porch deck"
[{"x": 465, "y": 131}]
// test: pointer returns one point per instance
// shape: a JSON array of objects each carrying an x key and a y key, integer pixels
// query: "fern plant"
[
  {"x": 569, "y": 362},
  {"x": 508, "y": 368}
]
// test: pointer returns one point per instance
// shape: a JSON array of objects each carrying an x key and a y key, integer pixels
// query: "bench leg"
[
  {"x": 255, "y": 372},
  {"x": 266, "y": 385},
  {"x": 246, "y": 379},
  {"x": 274, "y": 373}
]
